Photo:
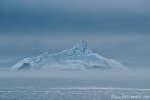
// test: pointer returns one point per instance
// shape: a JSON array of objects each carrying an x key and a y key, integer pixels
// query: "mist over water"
[
  {"x": 75, "y": 85},
  {"x": 96, "y": 78}
]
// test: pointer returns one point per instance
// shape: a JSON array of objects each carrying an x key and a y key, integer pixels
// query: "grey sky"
[
  {"x": 117, "y": 29},
  {"x": 101, "y": 15}
]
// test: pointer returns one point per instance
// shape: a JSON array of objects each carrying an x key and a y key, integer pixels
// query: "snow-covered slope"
[{"x": 79, "y": 57}]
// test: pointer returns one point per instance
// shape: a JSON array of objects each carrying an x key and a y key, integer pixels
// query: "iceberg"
[{"x": 79, "y": 57}]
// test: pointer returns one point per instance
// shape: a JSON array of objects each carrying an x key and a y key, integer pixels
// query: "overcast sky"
[{"x": 116, "y": 29}]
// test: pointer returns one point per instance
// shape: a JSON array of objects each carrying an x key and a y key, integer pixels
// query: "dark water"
[{"x": 94, "y": 85}]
